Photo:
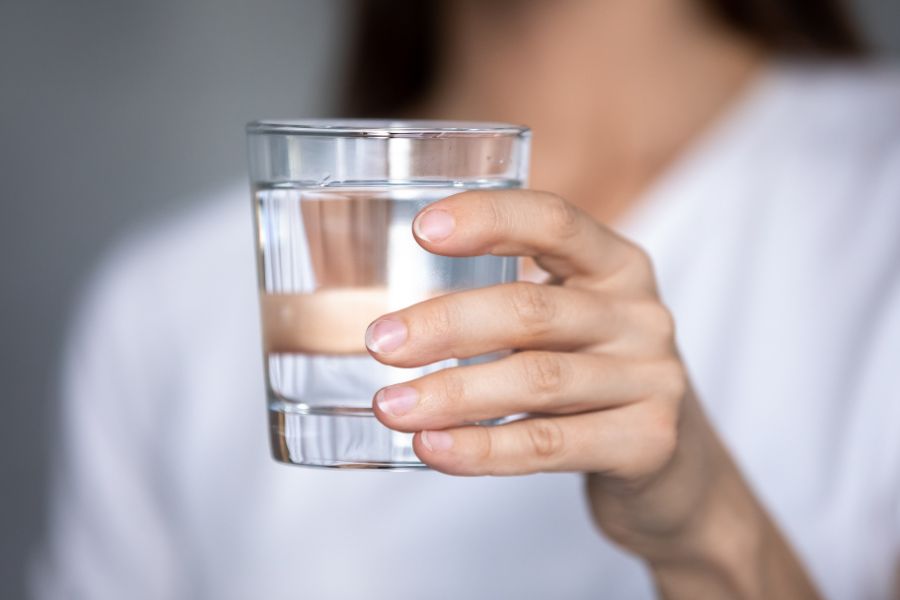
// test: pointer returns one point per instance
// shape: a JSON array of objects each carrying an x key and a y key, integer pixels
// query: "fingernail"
[
  {"x": 434, "y": 225},
  {"x": 436, "y": 441},
  {"x": 385, "y": 335},
  {"x": 397, "y": 400}
]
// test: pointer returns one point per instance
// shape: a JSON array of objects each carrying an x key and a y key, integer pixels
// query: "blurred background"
[{"x": 113, "y": 115}]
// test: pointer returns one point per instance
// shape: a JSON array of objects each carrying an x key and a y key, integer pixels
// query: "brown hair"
[{"x": 395, "y": 55}]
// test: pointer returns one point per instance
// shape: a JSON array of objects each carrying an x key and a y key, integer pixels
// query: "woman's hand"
[
  {"x": 597, "y": 359},
  {"x": 598, "y": 371}
]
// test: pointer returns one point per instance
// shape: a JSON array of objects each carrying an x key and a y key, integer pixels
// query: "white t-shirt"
[{"x": 777, "y": 245}]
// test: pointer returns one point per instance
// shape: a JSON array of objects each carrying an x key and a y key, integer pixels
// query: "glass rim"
[{"x": 385, "y": 128}]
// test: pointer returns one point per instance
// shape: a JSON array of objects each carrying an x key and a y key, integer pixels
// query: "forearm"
[
  {"x": 738, "y": 553},
  {"x": 714, "y": 539},
  {"x": 730, "y": 548}
]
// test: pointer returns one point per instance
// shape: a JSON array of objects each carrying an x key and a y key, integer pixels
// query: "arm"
[
  {"x": 599, "y": 371},
  {"x": 724, "y": 545},
  {"x": 108, "y": 534}
]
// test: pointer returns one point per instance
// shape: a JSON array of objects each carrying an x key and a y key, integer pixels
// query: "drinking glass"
[{"x": 334, "y": 203}]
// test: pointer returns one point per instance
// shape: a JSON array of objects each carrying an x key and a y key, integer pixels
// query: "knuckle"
[
  {"x": 661, "y": 437},
  {"x": 656, "y": 320},
  {"x": 666, "y": 323},
  {"x": 640, "y": 262},
  {"x": 438, "y": 320},
  {"x": 485, "y": 452},
  {"x": 563, "y": 218},
  {"x": 662, "y": 321},
  {"x": 672, "y": 380},
  {"x": 655, "y": 444},
  {"x": 452, "y": 387},
  {"x": 543, "y": 372},
  {"x": 495, "y": 220},
  {"x": 532, "y": 306},
  {"x": 640, "y": 257},
  {"x": 546, "y": 438}
]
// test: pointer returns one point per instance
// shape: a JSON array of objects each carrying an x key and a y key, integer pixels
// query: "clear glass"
[{"x": 334, "y": 203}]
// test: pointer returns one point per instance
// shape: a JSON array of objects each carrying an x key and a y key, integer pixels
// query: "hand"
[
  {"x": 596, "y": 367},
  {"x": 597, "y": 357}
]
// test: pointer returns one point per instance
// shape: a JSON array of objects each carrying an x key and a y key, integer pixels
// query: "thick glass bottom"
[{"x": 337, "y": 438}]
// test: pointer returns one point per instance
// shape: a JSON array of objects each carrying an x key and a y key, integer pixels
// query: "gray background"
[{"x": 110, "y": 114}]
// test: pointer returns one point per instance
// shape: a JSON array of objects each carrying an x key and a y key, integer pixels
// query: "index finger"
[{"x": 561, "y": 238}]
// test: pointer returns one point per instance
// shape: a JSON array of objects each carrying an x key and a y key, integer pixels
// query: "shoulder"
[
  {"x": 828, "y": 197},
  {"x": 838, "y": 118},
  {"x": 859, "y": 100},
  {"x": 827, "y": 152}
]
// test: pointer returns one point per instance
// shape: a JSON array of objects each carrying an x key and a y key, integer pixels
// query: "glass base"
[{"x": 338, "y": 438}]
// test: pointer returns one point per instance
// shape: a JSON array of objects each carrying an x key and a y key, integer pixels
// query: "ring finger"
[
  {"x": 525, "y": 382},
  {"x": 470, "y": 323}
]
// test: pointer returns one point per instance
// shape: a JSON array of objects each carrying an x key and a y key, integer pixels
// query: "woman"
[{"x": 765, "y": 195}]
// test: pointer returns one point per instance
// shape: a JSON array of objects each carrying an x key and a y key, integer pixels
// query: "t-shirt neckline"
[{"x": 716, "y": 148}]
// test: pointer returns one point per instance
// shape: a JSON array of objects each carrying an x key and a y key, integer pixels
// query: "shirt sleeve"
[
  {"x": 880, "y": 379},
  {"x": 108, "y": 533}
]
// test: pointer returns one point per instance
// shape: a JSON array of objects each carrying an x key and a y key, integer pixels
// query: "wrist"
[
  {"x": 699, "y": 527},
  {"x": 715, "y": 542},
  {"x": 719, "y": 553}
]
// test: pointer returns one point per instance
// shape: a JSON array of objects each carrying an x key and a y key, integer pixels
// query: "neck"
[{"x": 613, "y": 91}]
